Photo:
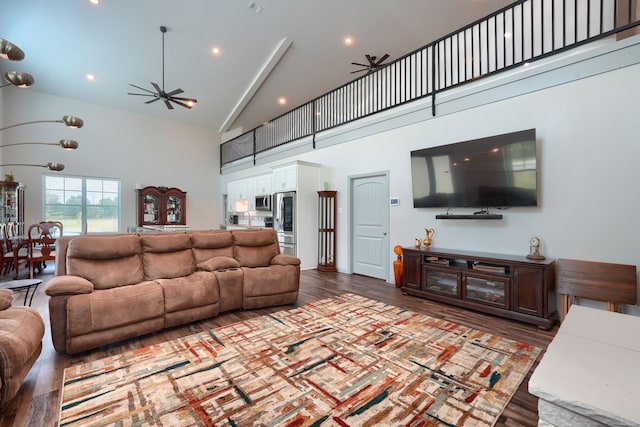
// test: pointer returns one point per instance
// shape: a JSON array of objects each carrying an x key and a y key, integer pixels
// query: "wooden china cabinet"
[{"x": 162, "y": 206}]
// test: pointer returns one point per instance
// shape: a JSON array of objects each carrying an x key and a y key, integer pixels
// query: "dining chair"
[
  {"x": 6, "y": 262},
  {"x": 42, "y": 244},
  {"x": 15, "y": 248}
]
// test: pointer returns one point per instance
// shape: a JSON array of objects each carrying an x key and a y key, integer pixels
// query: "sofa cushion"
[
  {"x": 110, "y": 308},
  {"x": 255, "y": 248},
  {"x": 106, "y": 262},
  {"x": 167, "y": 256},
  {"x": 273, "y": 280},
  {"x": 218, "y": 263},
  {"x": 184, "y": 293},
  {"x": 209, "y": 244}
]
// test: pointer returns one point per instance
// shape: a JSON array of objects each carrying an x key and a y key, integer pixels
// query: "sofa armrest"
[
  {"x": 282, "y": 259},
  {"x": 6, "y": 298},
  {"x": 68, "y": 285}
]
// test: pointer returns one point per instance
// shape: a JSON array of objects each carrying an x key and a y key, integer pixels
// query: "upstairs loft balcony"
[{"x": 515, "y": 36}]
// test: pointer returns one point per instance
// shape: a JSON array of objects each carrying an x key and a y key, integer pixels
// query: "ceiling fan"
[
  {"x": 373, "y": 64},
  {"x": 167, "y": 97}
]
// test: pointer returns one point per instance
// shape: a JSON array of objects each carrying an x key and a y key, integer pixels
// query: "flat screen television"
[{"x": 494, "y": 172}]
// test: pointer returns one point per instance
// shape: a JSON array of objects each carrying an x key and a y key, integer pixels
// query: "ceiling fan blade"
[
  {"x": 371, "y": 59},
  {"x": 168, "y": 104},
  {"x": 141, "y": 88},
  {"x": 184, "y": 99},
  {"x": 381, "y": 60},
  {"x": 141, "y": 94},
  {"x": 156, "y": 87},
  {"x": 174, "y": 92},
  {"x": 361, "y": 65},
  {"x": 359, "y": 71},
  {"x": 152, "y": 100},
  {"x": 180, "y": 103}
]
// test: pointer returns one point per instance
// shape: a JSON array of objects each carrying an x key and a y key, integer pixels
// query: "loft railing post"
[
  {"x": 313, "y": 122},
  {"x": 433, "y": 79}
]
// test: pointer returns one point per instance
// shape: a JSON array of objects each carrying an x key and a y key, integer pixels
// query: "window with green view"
[{"x": 80, "y": 202}]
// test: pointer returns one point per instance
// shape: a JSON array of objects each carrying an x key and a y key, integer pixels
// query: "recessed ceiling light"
[
  {"x": 216, "y": 51},
  {"x": 348, "y": 40},
  {"x": 94, "y": 2},
  {"x": 282, "y": 100},
  {"x": 91, "y": 77}
]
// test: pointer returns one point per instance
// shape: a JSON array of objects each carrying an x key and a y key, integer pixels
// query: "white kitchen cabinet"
[
  {"x": 285, "y": 178},
  {"x": 263, "y": 184}
]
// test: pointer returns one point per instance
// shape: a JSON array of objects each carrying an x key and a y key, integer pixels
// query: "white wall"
[
  {"x": 135, "y": 148},
  {"x": 589, "y": 152}
]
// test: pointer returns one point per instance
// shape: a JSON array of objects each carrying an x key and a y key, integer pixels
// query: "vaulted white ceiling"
[{"x": 269, "y": 49}]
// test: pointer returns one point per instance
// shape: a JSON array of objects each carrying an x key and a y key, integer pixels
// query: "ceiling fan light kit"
[{"x": 160, "y": 93}]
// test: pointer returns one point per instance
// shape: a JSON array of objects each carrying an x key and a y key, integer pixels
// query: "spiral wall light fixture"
[
  {"x": 71, "y": 121},
  {"x": 19, "y": 79},
  {"x": 52, "y": 166},
  {"x": 65, "y": 144},
  {"x": 10, "y": 51}
]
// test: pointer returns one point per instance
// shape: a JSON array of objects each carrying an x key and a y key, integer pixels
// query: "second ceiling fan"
[
  {"x": 373, "y": 63},
  {"x": 167, "y": 97}
]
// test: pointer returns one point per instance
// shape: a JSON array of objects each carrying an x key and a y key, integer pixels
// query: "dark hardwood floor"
[{"x": 37, "y": 401}]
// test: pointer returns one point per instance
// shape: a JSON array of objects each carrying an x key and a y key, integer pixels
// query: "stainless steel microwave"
[{"x": 263, "y": 202}]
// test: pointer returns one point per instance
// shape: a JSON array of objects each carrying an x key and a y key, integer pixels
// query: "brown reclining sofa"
[{"x": 109, "y": 288}]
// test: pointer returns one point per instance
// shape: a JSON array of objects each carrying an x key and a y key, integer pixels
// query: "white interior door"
[{"x": 370, "y": 222}]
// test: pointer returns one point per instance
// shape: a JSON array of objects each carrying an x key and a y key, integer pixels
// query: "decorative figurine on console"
[
  {"x": 534, "y": 249},
  {"x": 428, "y": 238},
  {"x": 418, "y": 243}
]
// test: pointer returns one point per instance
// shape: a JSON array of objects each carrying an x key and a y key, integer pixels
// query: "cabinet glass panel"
[
  {"x": 485, "y": 290},
  {"x": 151, "y": 209},
  {"x": 173, "y": 210},
  {"x": 443, "y": 282}
]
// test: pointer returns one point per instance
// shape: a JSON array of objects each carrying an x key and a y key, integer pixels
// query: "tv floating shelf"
[{"x": 477, "y": 216}]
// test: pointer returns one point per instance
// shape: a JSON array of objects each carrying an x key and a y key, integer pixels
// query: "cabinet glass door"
[
  {"x": 151, "y": 209},
  {"x": 444, "y": 282},
  {"x": 493, "y": 291},
  {"x": 174, "y": 210}
]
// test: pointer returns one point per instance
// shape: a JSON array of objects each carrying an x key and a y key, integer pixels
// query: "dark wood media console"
[{"x": 514, "y": 287}]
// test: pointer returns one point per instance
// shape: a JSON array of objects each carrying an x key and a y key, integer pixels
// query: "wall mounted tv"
[{"x": 494, "y": 172}]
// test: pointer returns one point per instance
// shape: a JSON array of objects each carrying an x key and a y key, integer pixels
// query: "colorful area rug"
[{"x": 342, "y": 361}]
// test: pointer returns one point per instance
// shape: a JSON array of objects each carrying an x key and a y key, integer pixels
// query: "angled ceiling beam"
[{"x": 262, "y": 75}]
